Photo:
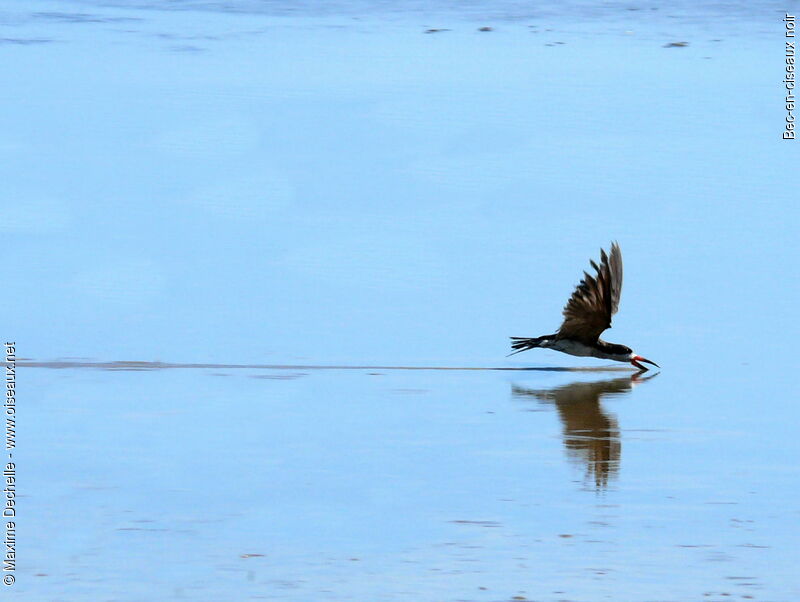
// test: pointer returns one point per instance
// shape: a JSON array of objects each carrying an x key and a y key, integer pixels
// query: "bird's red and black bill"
[{"x": 638, "y": 358}]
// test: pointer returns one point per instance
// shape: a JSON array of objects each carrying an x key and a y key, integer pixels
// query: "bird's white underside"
[{"x": 577, "y": 348}]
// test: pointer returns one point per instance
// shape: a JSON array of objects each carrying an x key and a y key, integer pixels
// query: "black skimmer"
[{"x": 587, "y": 314}]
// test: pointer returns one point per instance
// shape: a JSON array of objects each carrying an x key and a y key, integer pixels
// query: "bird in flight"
[{"x": 587, "y": 314}]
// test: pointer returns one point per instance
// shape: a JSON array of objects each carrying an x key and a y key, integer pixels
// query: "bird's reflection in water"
[{"x": 591, "y": 435}]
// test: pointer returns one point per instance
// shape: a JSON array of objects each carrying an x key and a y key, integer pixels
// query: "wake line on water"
[{"x": 141, "y": 365}]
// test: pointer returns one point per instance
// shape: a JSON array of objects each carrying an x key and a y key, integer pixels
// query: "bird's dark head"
[
  {"x": 621, "y": 353},
  {"x": 617, "y": 349}
]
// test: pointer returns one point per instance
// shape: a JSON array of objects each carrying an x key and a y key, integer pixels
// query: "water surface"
[{"x": 226, "y": 226}]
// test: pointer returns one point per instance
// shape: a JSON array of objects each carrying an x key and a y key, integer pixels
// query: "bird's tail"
[{"x": 524, "y": 343}]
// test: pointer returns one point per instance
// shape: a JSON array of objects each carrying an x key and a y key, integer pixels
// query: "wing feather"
[{"x": 588, "y": 312}]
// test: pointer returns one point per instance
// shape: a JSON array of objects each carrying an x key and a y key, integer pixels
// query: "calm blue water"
[{"x": 266, "y": 183}]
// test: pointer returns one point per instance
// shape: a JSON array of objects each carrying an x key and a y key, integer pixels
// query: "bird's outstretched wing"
[{"x": 588, "y": 312}]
